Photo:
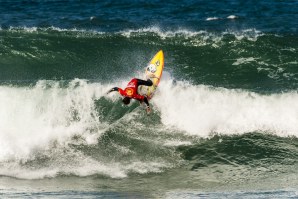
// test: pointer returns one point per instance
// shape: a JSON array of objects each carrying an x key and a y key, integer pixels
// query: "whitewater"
[
  {"x": 224, "y": 117},
  {"x": 45, "y": 119}
]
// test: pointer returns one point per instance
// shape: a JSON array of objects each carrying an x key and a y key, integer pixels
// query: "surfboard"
[{"x": 153, "y": 71}]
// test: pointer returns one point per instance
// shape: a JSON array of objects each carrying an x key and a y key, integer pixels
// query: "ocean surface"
[{"x": 224, "y": 121}]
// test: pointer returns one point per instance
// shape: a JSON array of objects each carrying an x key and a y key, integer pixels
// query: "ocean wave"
[
  {"x": 251, "y": 34},
  {"x": 49, "y": 129},
  {"x": 201, "y": 110},
  {"x": 195, "y": 109},
  {"x": 71, "y": 128},
  {"x": 229, "y": 59}
]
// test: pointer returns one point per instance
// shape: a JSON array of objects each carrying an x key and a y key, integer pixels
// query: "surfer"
[{"x": 131, "y": 92}]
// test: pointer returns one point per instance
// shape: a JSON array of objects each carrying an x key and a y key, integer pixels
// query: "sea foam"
[
  {"x": 202, "y": 110},
  {"x": 42, "y": 120}
]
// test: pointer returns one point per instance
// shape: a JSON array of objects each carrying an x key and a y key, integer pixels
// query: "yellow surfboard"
[{"x": 153, "y": 71}]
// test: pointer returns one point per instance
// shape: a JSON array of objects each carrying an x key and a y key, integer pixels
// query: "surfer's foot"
[{"x": 148, "y": 110}]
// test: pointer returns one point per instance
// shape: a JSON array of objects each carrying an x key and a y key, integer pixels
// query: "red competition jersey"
[{"x": 131, "y": 90}]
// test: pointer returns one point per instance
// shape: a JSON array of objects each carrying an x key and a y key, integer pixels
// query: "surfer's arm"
[{"x": 113, "y": 89}]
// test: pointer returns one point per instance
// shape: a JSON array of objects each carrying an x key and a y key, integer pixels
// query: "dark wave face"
[
  {"x": 248, "y": 59},
  {"x": 224, "y": 115},
  {"x": 249, "y": 150}
]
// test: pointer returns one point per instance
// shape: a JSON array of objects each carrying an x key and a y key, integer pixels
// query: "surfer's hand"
[
  {"x": 109, "y": 91},
  {"x": 113, "y": 89}
]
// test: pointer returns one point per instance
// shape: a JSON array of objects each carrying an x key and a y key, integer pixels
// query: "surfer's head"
[{"x": 126, "y": 100}]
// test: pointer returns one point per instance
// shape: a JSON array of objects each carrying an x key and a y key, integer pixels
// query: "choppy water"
[{"x": 224, "y": 120}]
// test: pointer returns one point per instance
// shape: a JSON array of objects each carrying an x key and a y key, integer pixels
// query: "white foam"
[
  {"x": 25, "y": 28},
  {"x": 242, "y": 60},
  {"x": 201, "y": 110},
  {"x": 232, "y": 17},
  {"x": 250, "y": 34},
  {"x": 212, "y": 18},
  {"x": 80, "y": 32},
  {"x": 217, "y": 18},
  {"x": 196, "y": 38},
  {"x": 186, "y": 37},
  {"x": 177, "y": 143},
  {"x": 44, "y": 118},
  {"x": 32, "y": 117},
  {"x": 162, "y": 33},
  {"x": 76, "y": 164}
]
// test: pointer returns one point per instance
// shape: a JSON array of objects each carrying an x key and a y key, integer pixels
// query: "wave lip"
[{"x": 164, "y": 33}]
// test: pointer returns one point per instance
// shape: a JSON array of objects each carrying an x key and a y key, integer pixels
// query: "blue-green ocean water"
[{"x": 224, "y": 119}]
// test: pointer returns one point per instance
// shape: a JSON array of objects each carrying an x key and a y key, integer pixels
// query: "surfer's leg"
[{"x": 145, "y": 83}]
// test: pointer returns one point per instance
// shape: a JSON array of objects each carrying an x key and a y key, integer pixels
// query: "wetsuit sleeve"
[
  {"x": 113, "y": 89},
  {"x": 145, "y": 83},
  {"x": 122, "y": 92}
]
